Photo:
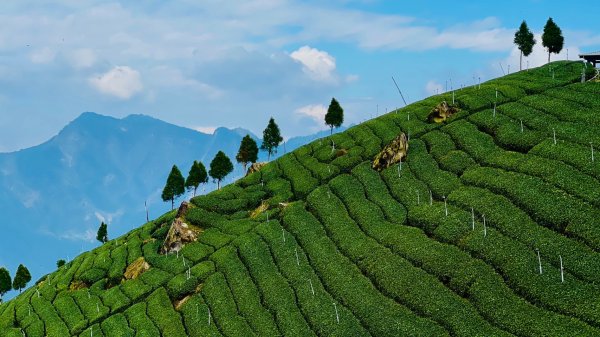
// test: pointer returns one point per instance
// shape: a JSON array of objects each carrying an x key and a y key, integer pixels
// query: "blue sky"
[{"x": 204, "y": 64}]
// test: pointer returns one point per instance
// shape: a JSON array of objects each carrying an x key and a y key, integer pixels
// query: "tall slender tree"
[
  {"x": 5, "y": 282},
  {"x": 22, "y": 277},
  {"x": 175, "y": 186},
  {"x": 552, "y": 38},
  {"x": 102, "y": 234},
  {"x": 248, "y": 152},
  {"x": 334, "y": 116},
  {"x": 525, "y": 41},
  {"x": 196, "y": 176},
  {"x": 271, "y": 138},
  {"x": 220, "y": 167}
]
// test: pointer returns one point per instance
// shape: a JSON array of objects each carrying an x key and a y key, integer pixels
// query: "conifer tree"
[
  {"x": 525, "y": 41},
  {"x": 5, "y": 282},
  {"x": 220, "y": 167},
  {"x": 196, "y": 176},
  {"x": 271, "y": 138},
  {"x": 175, "y": 186},
  {"x": 102, "y": 234},
  {"x": 22, "y": 277},
  {"x": 552, "y": 38},
  {"x": 248, "y": 152},
  {"x": 60, "y": 263},
  {"x": 335, "y": 115}
]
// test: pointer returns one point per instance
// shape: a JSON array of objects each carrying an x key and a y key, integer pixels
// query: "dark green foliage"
[
  {"x": 22, "y": 277},
  {"x": 552, "y": 38},
  {"x": 271, "y": 138},
  {"x": 248, "y": 152},
  {"x": 102, "y": 234},
  {"x": 60, "y": 263},
  {"x": 335, "y": 115},
  {"x": 175, "y": 186},
  {"x": 5, "y": 282},
  {"x": 525, "y": 41},
  {"x": 196, "y": 176},
  {"x": 220, "y": 167}
]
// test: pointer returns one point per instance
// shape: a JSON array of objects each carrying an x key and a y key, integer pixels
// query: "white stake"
[
  {"x": 91, "y": 331},
  {"x": 472, "y": 219},
  {"x": 484, "y": 226},
  {"x": 267, "y": 216},
  {"x": 297, "y": 259},
  {"x": 496, "y": 94},
  {"x": 328, "y": 195},
  {"x": 209, "y": 316},
  {"x": 312, "y": 290},
  {"x": 494, "y": 109},
  {"x": 452, "y": 96},
  {"x": 418, "y": 198},
  {"x": 337, "y": 316},
  {"x": 328, "y": 168},
  {"x": 29, "y": 310},
  {"x": 97, "y": 308},
  {"x": 430, "y": 198},
  {"x": 521, "y": 126},
  {"x": 479, "y": 82},
  {"x": 592, "y": 146},
  {"x": 283, "y": 234},
  {"x": 539, "y": 261},
  {"x": 38, "y": 292},
  {"x": 445, "y": 205},
  {"x": 562, "y": 271},
  {"x": 408, "y": 116},
  {"x": 554, "y": 135}
]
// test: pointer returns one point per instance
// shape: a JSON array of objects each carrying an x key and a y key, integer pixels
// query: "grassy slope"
[{"x": 377, "y": 247}]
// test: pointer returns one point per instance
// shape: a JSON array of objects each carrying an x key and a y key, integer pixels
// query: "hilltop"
[{"x": 491, "y": 227}]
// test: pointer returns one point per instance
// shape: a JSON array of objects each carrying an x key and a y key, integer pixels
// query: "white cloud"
[
  {"x": 317, "y": 64},
  {"x": 42, "y": 56},
  {"x": 314, "y": 111},
  {"x": 121, "y": 81},
  {"x": 433, "y": 87},
  {"x": 206, "y": 129},
  {"x": 172, "y": 77},
  {"x": 87, "y": 236},
  {"x": 83, "y": 58},
  {"x": 352, "y": 78}
]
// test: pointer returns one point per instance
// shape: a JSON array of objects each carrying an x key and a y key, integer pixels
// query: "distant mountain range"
[{"x": 98, "y": 168}]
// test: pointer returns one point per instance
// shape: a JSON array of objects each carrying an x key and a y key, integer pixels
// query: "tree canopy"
[
  {"x": 22, "y": 277},
  {"x": 335, "y": 115},
  {"x": 102, "y": 234},
  {"x": 5, "y": 282},
  {"x": 220, "y": 167},
  {"x": 196, "y": 176},
  {"x": 271, "y": 138},
  {"x": 248, "y": 152},
  {"x": 552, "y": 38},
  {"x": 175, "y": 186},
  {"x": 525, "y": 41}
]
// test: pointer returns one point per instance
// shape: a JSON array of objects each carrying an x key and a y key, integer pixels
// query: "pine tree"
[
  {"x": 5, "y": 282},
  {"x": 271, "y": 138},
  {"x": 60, "y": 263},
  {"x": 102, "y": 234},
  {"x": 525, "y": 40},
  {"x": 196, "y": 176},
  {"x": 248, "y": 152},
  {"x": 552, "y": 38},
  {"x": 220, "y": 167},
  {"x": 335, "y": 115},
  {"x": 22, "y": 277},
  {"x": 175, "y": 186}
]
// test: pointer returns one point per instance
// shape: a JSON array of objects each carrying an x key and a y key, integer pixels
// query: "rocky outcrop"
[
  {"x": 442, "y": 112},
  {"x": 136, "y": 268},
  {"x": 392, "y": 153},
  {"x": 179, "y": 233},
  {"x": 255, "y": 167}
]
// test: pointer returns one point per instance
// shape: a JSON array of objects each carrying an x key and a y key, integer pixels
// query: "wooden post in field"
[
  {"x": 484, "y": 226},
  {"x": 562, "y": 270},
  {"x": 445, "y": 205},
  {"x": 539, "y": 261},
  {"x": 337, "y": 316}
]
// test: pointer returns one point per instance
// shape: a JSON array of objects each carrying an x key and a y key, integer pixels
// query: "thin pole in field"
[
  {"x": 400, "y": 92},
  {"x": 430, "y": 198},
  {"x": 418, "y": 198},
  {"x": 445, "y": 205},
  {"x": 539, "y": 261},
  {"x": 592, "y": 147},
  {"x": 521, "y": 126},
  {"x": 472, "y": 219},
  {"x": 484, "y": 226},
  {"x": 554, "y": 135},
  {"x": 312, "y": 290},
  {"x": 297, "y": 259},
  {"x": 562, "y": 271},
  {"x": 209, "y": 316},
  {"x": 337, "y": 316},
  {"x": 283, "y": 234}
]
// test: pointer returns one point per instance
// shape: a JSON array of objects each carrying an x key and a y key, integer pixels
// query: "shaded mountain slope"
[{"x": 468, "y": 237}]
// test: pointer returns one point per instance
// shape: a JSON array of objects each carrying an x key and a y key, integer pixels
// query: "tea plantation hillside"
[{"x": 467, "y": 237}]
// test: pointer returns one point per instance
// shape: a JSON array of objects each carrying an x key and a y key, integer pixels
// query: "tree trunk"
[
  {"x": 521, "y": 61},
  {"x": 195, "y": 188},
  {"x": 331, "y": 130},
  {"x": 219, "y": 184},
  {"x": 269, "y": 156},
  {"x": 172, "y": 203},
  {"x": 244, "y": 164},
  {"x": 548, "y": 56}
]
